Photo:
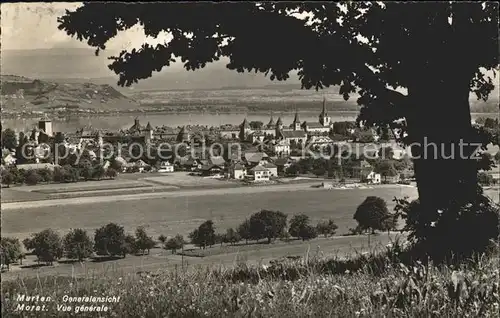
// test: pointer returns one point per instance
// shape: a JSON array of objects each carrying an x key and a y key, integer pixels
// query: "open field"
[
  {"x": 183, "y": 179},
  {"x": 160, "y": 259},
  {"x": 181, "y": 211}
]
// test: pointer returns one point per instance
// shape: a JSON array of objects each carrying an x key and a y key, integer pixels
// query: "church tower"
[
  {"x": 279, "y": 126},
  {"x": 271, "y": 123},
  {"x": 244, "y": 130},
  {"x": 324, "y": 119},
  {"x": 296, "y": 121},
  {"x": 148, "y": 133}
]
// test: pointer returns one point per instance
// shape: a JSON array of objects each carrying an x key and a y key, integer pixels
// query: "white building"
[
  {"x": 237, "y": 171},
  {"x": 282, "y": 147},
  {"x": 259, "y": 173},
  {"x": 166, "y": 166},
  {"x": 273, "y": 169},
  {"x": 374, "y": 178}
]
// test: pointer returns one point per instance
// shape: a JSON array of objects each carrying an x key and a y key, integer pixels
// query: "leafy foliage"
[
  {"x": 32, "y": 177},
  {"x": 371, "y": 213},
  {"x": 109, "y": 240},
  {"x": 458, "y": 241},
  {"x": 267, "y": 224},
  {"x": 300, "y": 227},
  {"x": 78, "y": 245},
  {"x": 175, "y": 243},
  {"x": 10, "y": 250},
  {"x": 244, "y": 231},
  {"x": 204, "y": 235},
  {"x": 232, "y": 236},
  {"x": 143, "y": 241},
  {"x": 485, "y": 179},
  {"x": 46, "y": 245},
  {"x": 327, "y": 228},
  {"x": 9, "y": 139},
  {"x": 7, "y": 177},
  {"x": 162, "y": 238},
  {"x": 111, "y": 173}
]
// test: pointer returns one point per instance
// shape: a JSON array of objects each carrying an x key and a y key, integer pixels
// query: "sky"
[{"x": 34, "y": 26}]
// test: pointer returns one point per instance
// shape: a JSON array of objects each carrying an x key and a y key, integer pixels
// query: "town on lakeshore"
[{"x": 266, "y": 151}]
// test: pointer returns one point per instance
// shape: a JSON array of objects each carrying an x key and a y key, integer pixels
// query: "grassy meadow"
[{"x": 368, "y": 285}]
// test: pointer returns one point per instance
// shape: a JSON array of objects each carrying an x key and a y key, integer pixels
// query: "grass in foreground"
[{"x": 371, "y": 285}]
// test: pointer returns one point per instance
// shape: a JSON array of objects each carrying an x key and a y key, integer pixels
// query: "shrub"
[
  {"x": 162, "y": 238},
  {"x": 203, "y": 236},
  {"x": 244, "y": 231},
  {"x": 299, "y": 227},
  {"x": 46, "y": 245},
  {"x": 143, "y": 241},
  {"x": 32, "y": 178},
  {"x": 175, "y": 243},
  {"x": 110, "y": 240},
  {"x": 232, "y": 236},
  {"x": 7, "y": 177},
  {"x": 267, "y": 224},
  {"x": 46, "y": 175},
  {"x": 111, "y": 173},
  {"x": 371, "y": 212},
  {"x": 10, "y": 250},
  {"x": 327, "y": 228},
  {"x": 78, "y": 245},
  {"x": 308, "y": 232}
]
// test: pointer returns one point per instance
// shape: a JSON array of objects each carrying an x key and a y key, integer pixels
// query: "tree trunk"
[
  {"x": 442, "y": 137},
  {"x": 441, "y": 115}
]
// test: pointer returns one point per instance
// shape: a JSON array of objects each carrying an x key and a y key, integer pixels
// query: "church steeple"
[
  {"x": 296, "y": 121},
  {"x": 323, "y": 112},
  {"x": 324, "y": 119},
  {"x": 271, "y": 122},
  {"x": 245, "y": 124}
]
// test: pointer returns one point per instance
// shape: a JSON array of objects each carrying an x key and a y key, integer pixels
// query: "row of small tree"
[
  {"x": 49, "y": 246},
  {"x": 266, "y": 224},
  {"x": 111, "y": 240},
  {"x": 59, "y": 174}
]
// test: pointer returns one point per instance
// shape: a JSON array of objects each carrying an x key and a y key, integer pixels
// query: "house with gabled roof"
[
  {"x": 218, "y": 161},
  {"x": 237, "y": 171},
  {"x": 259, "y": 173},
  {"x": 255, "y": 158},
  {"x": 210, "y": 170},
  {"x": 273, "y": 169}
]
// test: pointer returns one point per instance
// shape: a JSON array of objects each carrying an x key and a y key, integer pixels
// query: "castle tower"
[
  {"x": 324, "y": 119},
  {"x": 244, "y": 129},
  {"x": 296, "y": 121},
  {"x": 271, "y": 122},
  {"x": 100, "y": 141},
  {"x": 279, "y": 126},
  {"x": 148, "y": 132},
  {"x": 46, "y": 125}
]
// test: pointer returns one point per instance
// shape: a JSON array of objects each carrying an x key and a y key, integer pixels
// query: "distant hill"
[
  {"x": 69, "y": 67},
  {"x": 80, "y": 65},
  {"x": 22, "y": 93}
]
